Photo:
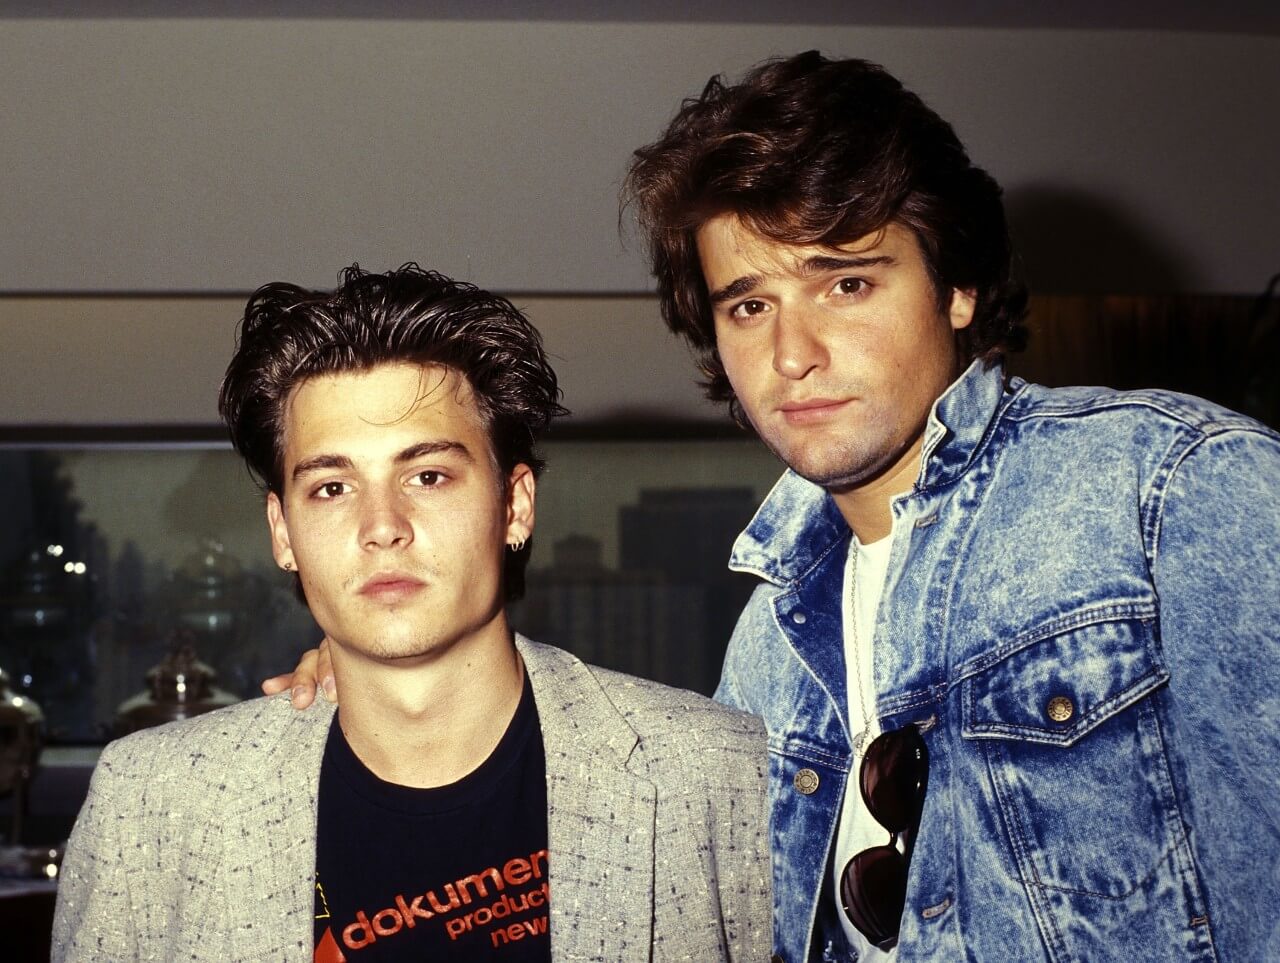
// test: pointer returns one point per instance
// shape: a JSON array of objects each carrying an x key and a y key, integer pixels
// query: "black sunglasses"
[{"x": 873, "y": 886}]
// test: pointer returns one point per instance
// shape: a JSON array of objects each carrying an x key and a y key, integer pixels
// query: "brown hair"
[
  {"x": 289, "y": 334},
  {"x": 808, "y": 150}
]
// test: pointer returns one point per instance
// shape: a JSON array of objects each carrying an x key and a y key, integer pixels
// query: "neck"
[
  {"x": 867, "y": 507},
  {"x": 430, "y": 723}
]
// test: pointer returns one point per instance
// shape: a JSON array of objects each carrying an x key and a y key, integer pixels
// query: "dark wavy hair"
[
  {"x": 289, "y": 334},
  {"x": 808, "y": 150}
]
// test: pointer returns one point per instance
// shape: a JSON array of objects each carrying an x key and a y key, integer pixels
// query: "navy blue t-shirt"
[{"x": 457, "y": 872}]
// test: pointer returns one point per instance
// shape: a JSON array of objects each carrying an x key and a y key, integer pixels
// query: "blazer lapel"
[
  {"x": 600, "y": 815},
  {"x": 269, "y": 858}
]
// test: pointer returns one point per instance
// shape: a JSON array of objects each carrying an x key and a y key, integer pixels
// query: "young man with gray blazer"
[{"x": 477, "y": 795}]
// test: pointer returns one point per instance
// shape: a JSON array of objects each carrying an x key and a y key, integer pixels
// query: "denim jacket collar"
[
  {"x": 798, "y": 523},
  {"x": 959, "y": 424}
]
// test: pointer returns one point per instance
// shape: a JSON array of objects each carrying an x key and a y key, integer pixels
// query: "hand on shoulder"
[{"x": 314, "y": 669}]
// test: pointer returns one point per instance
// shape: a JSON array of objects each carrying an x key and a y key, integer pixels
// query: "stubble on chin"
[{"x": 833, "y": 464}]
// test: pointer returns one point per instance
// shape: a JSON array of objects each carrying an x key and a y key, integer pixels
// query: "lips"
[
  {"x": 390, "y": 586},
  {"x": 811, "y": 409}
]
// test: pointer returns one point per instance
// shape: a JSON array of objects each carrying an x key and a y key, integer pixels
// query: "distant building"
[
  {"x": 687, "y": 533},
  {"x": 629, "y": 621},
  {"x": 666, "y": 613}
]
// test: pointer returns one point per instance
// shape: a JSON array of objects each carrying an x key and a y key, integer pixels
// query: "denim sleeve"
[
  {"x": 751, "y": 651},
  {"x": 1216, "y": 563},
  {"x": 727, "y": 691}
]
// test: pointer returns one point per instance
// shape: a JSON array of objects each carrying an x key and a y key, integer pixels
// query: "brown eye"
[
  {"x": 748, "y": 309},
  {"x": 429, "y": 478},
  {"x": 331, "y": 489},
  {"x": 851, "y": 285}
]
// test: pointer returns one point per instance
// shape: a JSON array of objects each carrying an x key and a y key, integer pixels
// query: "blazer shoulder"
[
  {"x": 230, "y": 727},
  {"x": 596, "y": 709},
  {"x": 193, "y": 752},
  {"x": 661, "y": 712}
]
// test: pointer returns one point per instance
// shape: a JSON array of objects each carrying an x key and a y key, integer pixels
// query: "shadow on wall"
[
  {"x": 1072, "y": 242},
  {"x": 1112, "y": 305}
]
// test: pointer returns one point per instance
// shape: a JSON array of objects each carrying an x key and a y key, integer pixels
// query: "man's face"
[
  {"x": 392, "y": 513},
  {"x": 835, "y": 354}
]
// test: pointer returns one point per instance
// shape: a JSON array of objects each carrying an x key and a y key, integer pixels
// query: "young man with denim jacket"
[
  {"x": 1069, "y": 595},
  {"x": 1060, "y": 607}
]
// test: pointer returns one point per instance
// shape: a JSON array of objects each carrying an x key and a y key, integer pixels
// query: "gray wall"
[
  {"x": 209, "y": 155},
  {"x": 205, "y": 155},
  {"x": 158, "y": 360}
]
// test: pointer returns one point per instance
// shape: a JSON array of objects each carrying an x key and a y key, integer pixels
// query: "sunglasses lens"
[
  {"x": 873, "y": 889},
  {"x": 894, "y": 775}
]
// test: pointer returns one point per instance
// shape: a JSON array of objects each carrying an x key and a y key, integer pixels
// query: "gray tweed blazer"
[{"x": 197, "y": 840}]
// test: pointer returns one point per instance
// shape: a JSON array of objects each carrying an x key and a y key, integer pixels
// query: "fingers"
[
  {"x": 324, "y": 669},
  {"x": 277, "y": 683},
  {"x": 304, "y": 680},
  {"x": 303, "y": 695},
  {"x": 301, "y": 683}
]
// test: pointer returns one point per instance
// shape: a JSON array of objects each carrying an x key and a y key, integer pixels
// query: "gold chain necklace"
[{"x": 861, "y": 737}]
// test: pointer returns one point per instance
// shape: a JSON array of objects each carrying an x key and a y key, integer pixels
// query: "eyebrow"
[
  {"x": 818, "y": 264},
  {"x": 821, "y": 263},
  {"x": 434, "y": 448},
  {"x": 343, "y": 463}
]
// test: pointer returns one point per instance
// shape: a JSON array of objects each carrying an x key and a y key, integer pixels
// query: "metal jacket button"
[
  {"x": 806, "y": 782},
  {"x": 798, "y": 617},
  {"x": 1060, "y": 709}
]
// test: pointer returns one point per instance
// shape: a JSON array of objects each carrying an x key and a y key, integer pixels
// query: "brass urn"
[
  {"x": 21, "y": 739},
  {"x": 179, "y": 687}
]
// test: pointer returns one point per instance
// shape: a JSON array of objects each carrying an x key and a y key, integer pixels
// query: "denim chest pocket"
[{"x": 1079, "y": 781}]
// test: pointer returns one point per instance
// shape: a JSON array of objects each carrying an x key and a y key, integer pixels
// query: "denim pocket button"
[
  {"x": 798, "y": 618},
  {"x": 1060, "y": 709},
  {"x": 806, "y": 782}
]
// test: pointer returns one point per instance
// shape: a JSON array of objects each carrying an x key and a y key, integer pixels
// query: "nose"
[
  {"x": 797, "y": 346},
  {"x": 385, "y": 523}
]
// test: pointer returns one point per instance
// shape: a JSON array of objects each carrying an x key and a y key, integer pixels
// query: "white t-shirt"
[{"x": 857, "y": 829}]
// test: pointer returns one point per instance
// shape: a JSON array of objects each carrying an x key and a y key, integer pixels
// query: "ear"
[
  {"x": 281, "y": 548},
  {"x": 960, "y": 311},
  {"x": 522, "y": 491}
]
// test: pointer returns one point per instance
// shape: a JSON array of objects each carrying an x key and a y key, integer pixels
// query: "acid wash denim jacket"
[{"x": 1118, "y": 551}]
